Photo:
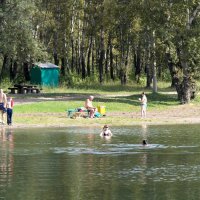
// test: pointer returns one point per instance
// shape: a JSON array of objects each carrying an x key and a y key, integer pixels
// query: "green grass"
[
  {"x": 107, "y": 88},
  {"x": 124, "y": 103},
  {"x": 116, "y": 98}
]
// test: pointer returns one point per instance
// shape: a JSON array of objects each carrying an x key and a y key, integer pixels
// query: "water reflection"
[
  {"x": 6, "y": 156},
  {"x": 79, "y": 164},
  {"x": 144, "y": 132}
]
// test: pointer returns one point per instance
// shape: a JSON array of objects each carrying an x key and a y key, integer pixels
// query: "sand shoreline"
[
  {"x": 181, "y": 114},
  {"x": 137, "y": 122}
]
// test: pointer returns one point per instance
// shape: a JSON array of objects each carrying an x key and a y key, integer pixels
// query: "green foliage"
[
  {"x": 5, "y": 83},
  {"x": 77, "y": 32}
]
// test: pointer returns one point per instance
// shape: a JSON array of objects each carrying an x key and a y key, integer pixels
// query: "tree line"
[{"x": 104, "y": 40}]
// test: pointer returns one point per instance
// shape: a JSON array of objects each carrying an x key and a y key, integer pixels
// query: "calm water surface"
[{"x": 75, "y": 163}]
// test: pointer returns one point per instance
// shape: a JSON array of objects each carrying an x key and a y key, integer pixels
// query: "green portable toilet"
[{"x": 46, "y": 74}]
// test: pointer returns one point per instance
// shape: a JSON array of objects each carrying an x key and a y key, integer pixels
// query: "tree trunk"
[
  {"x": 72, "y": 36},
  {"x": 137, "y": 63},
  {"x": 13, "y": 70},
  {"x": 149, "y": 76},
  {"x": 72, "y": 57},
  {"x": 186, "y": 90},
  {"x": 123, "y": 77},
  {"x": 82, "y": 58},
  {"x": 63, "y": 65},
  {"x": 4, "y": 67},
  {"x": 101, "y": 57},
  {"x": 171, "y": 69},
  {"x": 55, "y": 46},
  {"x": 111, "y": 59},
  {"x": 88, "y": 56},
  {"x": 155, "y": 88},
  {"x": 148, "y": 69},
  {"x": 82, "y": 47},
  {"x": 116, "y": 66},
  {"x": 26, "y": 72},
  {"x": 77, "y": 63},
  {"x": 107, "y": 63},
  {"x": 93, "y": 57}
]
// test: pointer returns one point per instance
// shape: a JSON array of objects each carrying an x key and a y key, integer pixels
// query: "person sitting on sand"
[
  {"x": 106, "y": 132},
  {"x": 90, "y": 107}
]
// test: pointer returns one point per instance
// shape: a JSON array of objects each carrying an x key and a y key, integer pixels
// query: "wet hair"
[
  {"x": 144, "y": 142},
  {"x": 105, "y": 126}
]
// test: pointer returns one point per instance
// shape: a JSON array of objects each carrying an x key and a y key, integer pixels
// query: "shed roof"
[{"x": 46, "y": 65}]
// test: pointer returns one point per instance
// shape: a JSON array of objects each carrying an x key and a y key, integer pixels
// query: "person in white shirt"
[{"x": 143, "y": 102}]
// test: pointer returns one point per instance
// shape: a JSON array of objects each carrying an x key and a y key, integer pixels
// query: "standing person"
[
  {"x": 9, "y": 106},
  {"x": 3, "y": 102},
  {"x": 90, "y": 107},
  {"x": 143, "y": 101}
]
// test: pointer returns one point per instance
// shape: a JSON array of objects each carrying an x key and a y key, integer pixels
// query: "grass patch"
[
  {"x": 116, "y": 98},
  {"x": 113, "y": 104},
  {"x": 107, "y": 88}
]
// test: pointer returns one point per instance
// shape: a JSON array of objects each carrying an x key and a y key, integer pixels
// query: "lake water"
[{"x": 76, "y": 163}]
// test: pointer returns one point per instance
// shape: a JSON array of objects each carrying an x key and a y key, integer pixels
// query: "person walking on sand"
[
  {"x": 3, "y": 102},
  {"x": 90, "y": 107},
  {"x": 143, "y": 102}
]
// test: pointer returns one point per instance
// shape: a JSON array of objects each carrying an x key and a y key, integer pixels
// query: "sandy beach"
[{"x": 181, "y": 114}]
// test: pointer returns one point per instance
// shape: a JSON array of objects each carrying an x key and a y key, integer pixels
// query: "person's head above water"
[
  {"x": 105, "y": 126},
  {"x": 144, "y": 142}
]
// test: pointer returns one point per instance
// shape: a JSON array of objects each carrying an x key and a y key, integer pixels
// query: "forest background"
[{"x": 102, "y": 41}]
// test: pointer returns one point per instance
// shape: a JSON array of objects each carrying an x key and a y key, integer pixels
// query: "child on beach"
[{"x": 10, "y": 104}]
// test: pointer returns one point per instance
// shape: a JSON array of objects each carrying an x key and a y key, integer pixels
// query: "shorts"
[
  {"x": 2, "y": 107},
  {"x": 144, "y": 106}
]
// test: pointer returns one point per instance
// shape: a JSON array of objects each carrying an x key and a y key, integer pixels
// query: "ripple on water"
[{"x": 106, "y": 149}]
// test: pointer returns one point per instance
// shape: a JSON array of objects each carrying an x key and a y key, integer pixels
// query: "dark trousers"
[
  {"x": 9, "y": 115},
  {"x": 2, "y": 107}
]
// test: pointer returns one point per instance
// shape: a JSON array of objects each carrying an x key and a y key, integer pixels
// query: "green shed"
[{"x": 46, "y": 74}]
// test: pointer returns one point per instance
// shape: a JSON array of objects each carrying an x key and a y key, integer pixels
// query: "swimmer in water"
[
  {"x": 144, "y": 142},
  {"x": 106, "y": 132}
]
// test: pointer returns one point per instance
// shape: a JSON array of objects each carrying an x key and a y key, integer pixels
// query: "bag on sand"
[{"x": 97, "y": 115}]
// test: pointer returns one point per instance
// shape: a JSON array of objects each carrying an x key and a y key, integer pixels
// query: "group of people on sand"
[
  {"x": 6, "y": 106},
  {"x": 89, "y": 106}
]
